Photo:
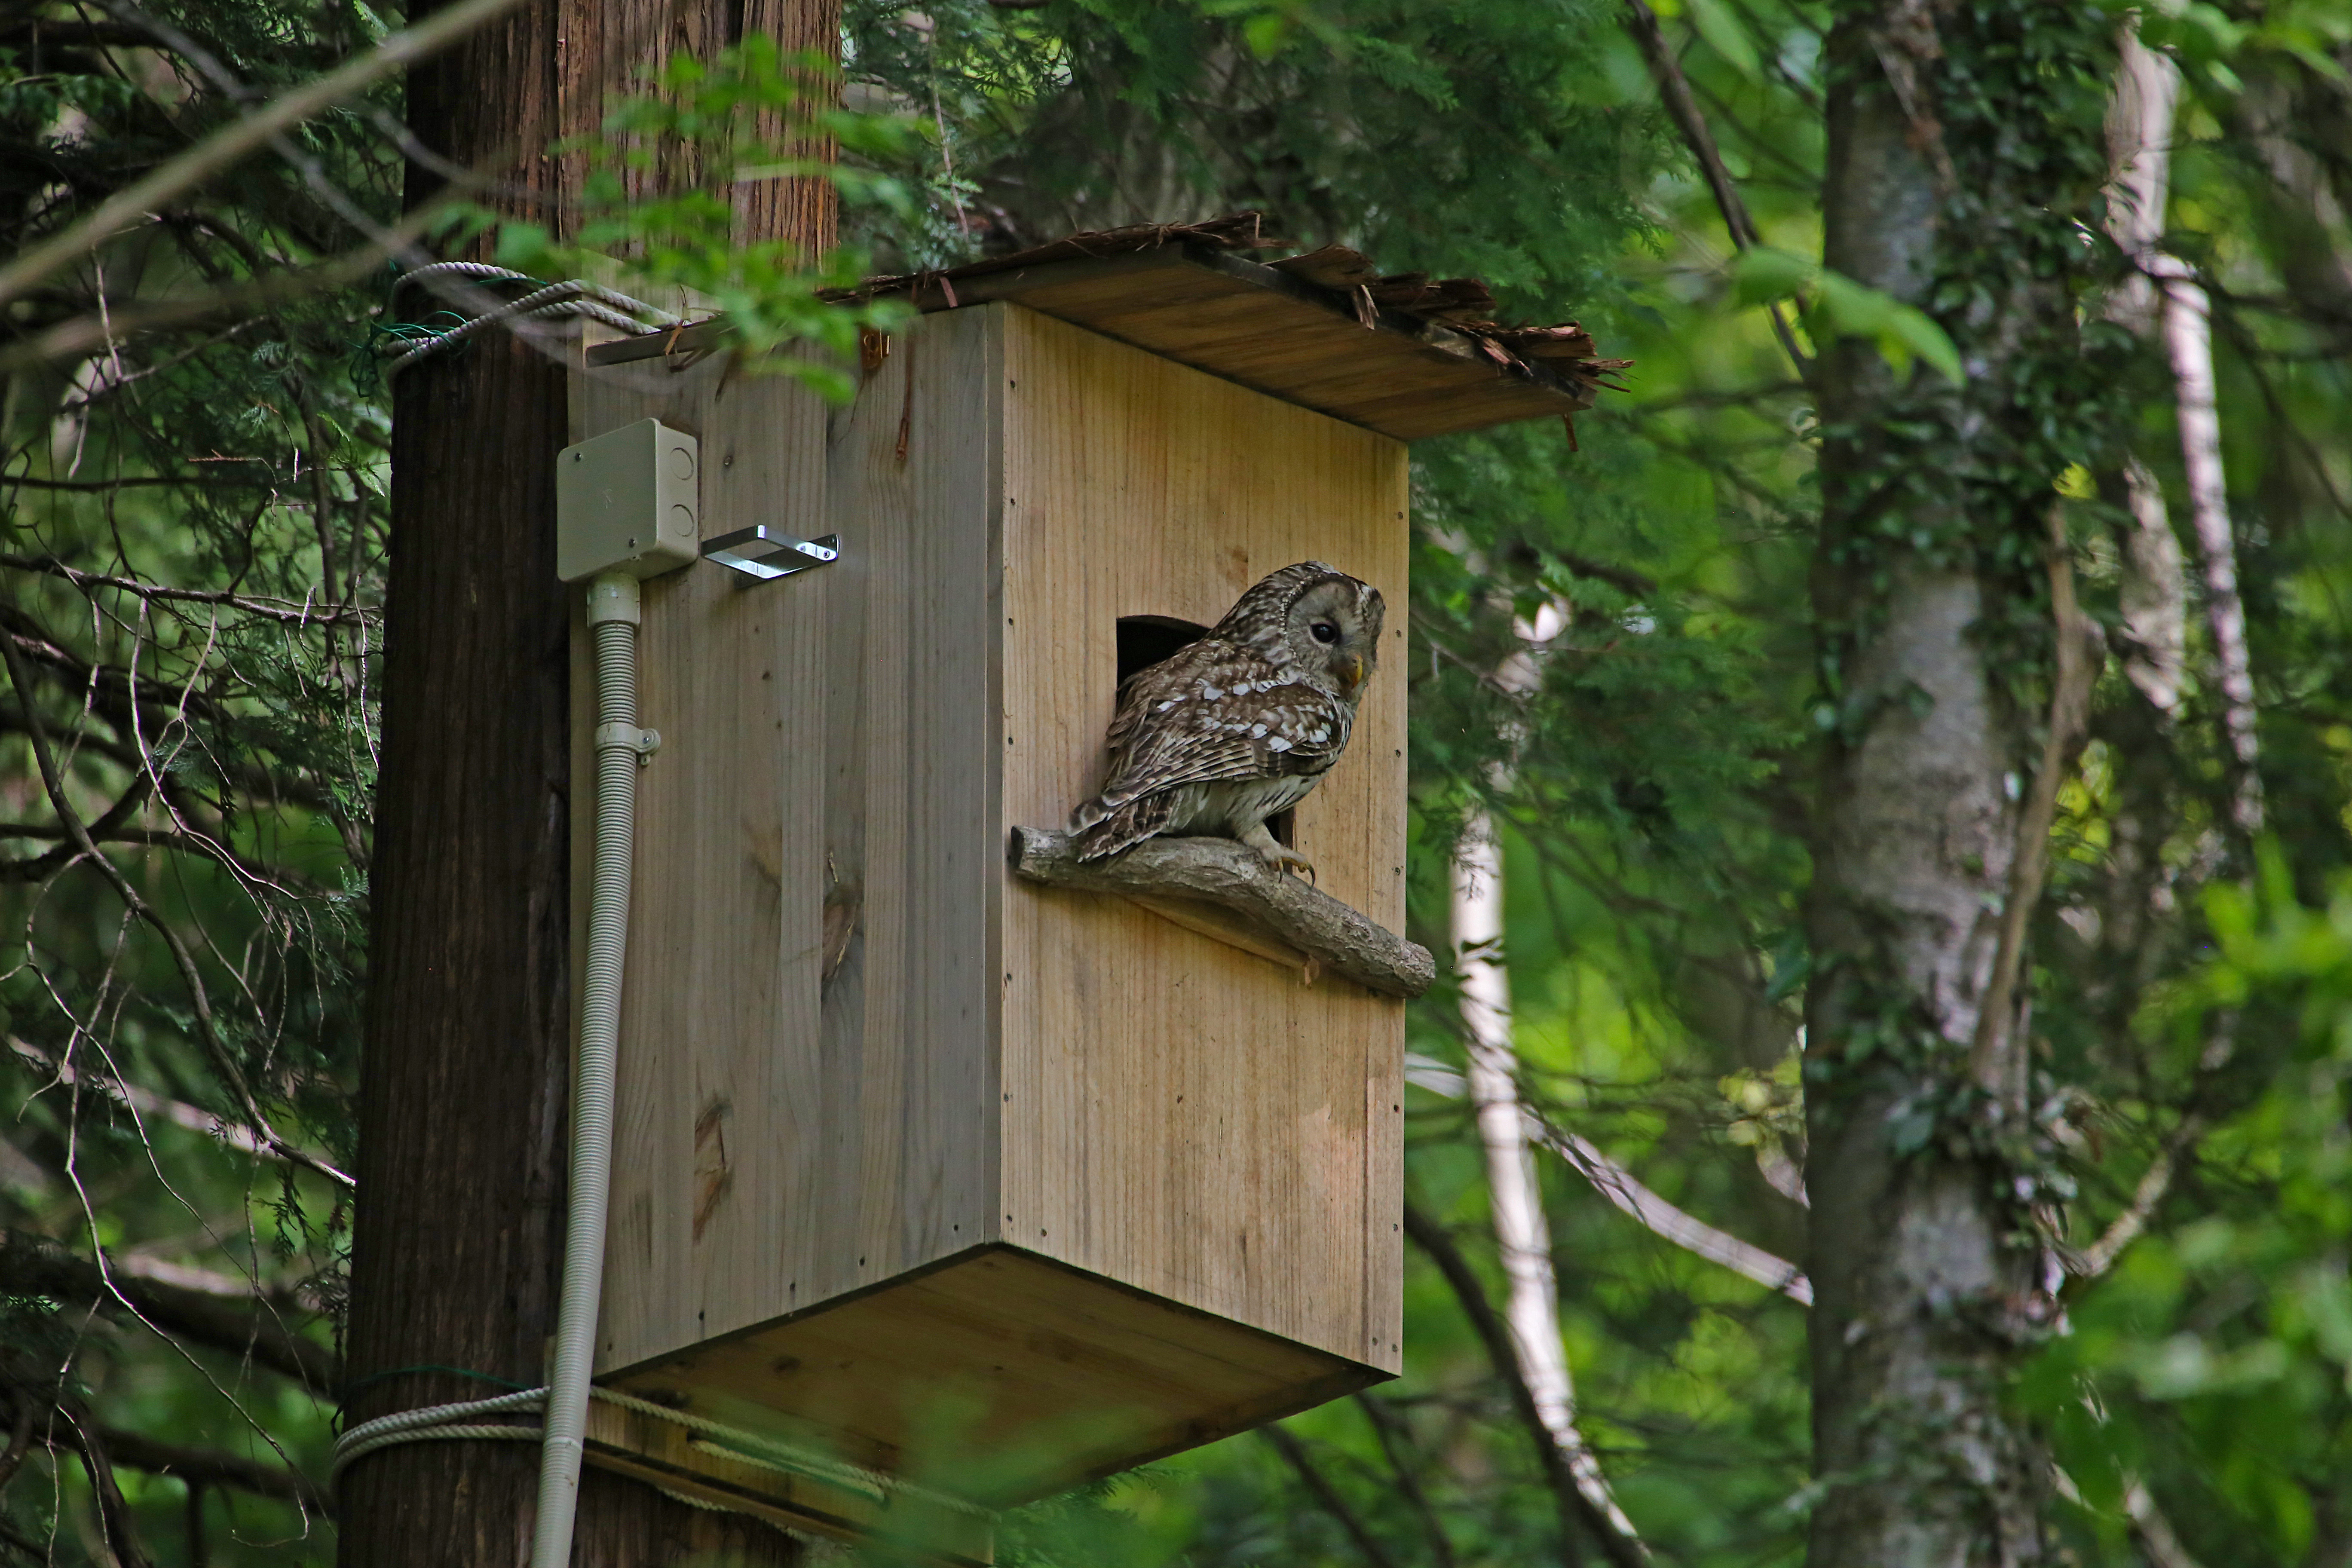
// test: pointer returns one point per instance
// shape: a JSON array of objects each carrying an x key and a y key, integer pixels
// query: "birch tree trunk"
[
  {"x": 1514, "y": 1195},
  {"x": 2189, "y": 341},
  {"x": 2164, "y": 295},
  {"x": 2139, "y": 151}
]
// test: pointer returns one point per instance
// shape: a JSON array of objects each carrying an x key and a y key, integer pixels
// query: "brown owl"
[{"x": 1241, "y": 724}]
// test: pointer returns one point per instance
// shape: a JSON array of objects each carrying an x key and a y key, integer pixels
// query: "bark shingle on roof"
[{"x": 1404, "y": 354}]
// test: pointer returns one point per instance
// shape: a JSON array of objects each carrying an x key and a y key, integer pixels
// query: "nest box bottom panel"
[{"x": 998, "y": 1376}]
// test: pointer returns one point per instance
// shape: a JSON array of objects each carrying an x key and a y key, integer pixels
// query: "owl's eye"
[{"x": 1324, "y": 632}]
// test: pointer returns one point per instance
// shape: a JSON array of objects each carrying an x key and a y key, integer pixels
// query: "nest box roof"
[{"x": 1406, "y": 355}]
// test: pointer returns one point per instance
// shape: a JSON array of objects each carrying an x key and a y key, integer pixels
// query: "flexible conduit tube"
[{"x": 612, "y": 623}]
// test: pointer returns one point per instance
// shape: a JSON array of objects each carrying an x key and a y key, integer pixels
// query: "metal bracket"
[
  {"x": 759, "y": 551},
  {"x": 629, "y": 738}
]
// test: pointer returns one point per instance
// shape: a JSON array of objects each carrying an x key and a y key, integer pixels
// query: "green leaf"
[
  {"x": 525, "y": 247},
  {"x": 1764, "y": 273},
  {"x": 1266, "y": 32},
  {"x": 1920, "y": 332},
  {"x": 1845, "y": 308}
]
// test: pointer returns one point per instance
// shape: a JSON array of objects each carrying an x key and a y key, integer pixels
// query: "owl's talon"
[{"x": 1275, "y": 853}]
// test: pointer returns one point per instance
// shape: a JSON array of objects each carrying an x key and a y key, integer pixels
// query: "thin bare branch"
[
  {"x": 1578, "y": 1516},
  {"x": 84, "y": 334},
  {"x": 195, "y": 1119},
  {"x": 20, "y": 1440},
  {"x": 2154, "y": 1182},
  {"x": 108, "y": 826},
  {"x": 230, "y": 144},
  {"x": 113, "y": 1512},
  {"x": 33, "y": 1265},
  {"x": 1391, "y": 1433},
  {"x": 129, "y": 481},
  {"x": 1317, "y": 1482},
  {"x": 210, "y": 1467},
  {"x": 1629, "y": 1195},
  {"x": 278, "y": 879},
  {"x": 1995, "y": 1062},
  {"x": 2153, "y": 1529},
  {"x": 199, "y": 999},
  {"x": 1682, "y": 108},
  {"x": 108, "y": 692},
  {"x": 1663, "y": 1219},
  {"x": 286, "y": 612}
]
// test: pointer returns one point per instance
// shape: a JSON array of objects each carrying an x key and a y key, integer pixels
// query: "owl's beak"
[{"x": 1355, "y": 671}]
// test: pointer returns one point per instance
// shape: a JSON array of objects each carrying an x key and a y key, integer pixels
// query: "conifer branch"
[
  {"x": 200, "y": 1001},
  {"x": 231, "y": 144},
  {"x": 211, "y": 1467}
]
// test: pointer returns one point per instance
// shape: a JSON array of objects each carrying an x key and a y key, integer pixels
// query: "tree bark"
[
  {"x": 1514, "y": 1195},
  {"x": 1929, "y": 547},
  {"x": 2163, "y": 295},
  {"x": 2188, "y": 342},
  {"x": 2139, "y": 151},
  {"x": 464, "y": 1086}
]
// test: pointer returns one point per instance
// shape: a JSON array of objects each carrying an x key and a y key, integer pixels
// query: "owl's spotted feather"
[{"x": 1243, "y": 723}]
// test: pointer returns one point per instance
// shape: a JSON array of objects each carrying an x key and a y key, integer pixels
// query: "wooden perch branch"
[{"x": 1218, "y": 888}]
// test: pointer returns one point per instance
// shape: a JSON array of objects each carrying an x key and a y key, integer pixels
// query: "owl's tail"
[{"x": 1098, "y": 832}]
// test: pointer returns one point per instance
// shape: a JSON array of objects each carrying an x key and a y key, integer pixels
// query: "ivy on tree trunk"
[{"x": 1963, "y": 152}]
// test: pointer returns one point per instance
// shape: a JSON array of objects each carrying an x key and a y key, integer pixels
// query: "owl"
[{"x": 1241, "y": 724}]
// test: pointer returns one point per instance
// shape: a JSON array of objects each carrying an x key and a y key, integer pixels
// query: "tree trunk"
[
  {"x": 2162, "y": 294},
  {"x": 1929, "y": 568},
  {"x": 464, "y": 1083},
  {"x": 1514, "y": 1192}
]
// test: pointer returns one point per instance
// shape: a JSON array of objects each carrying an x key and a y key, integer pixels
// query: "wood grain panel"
[
  {"x": 1180, "y": 1116},
  {"x": 744, "y": 654},
  {"x": 681, "y": 1461},
  {"x": 1001, "y": 1376},
  {"x": 720, "y": 994},
  {"x": 781, "y": 1138},
  {"x": 982, "y": 1171},
  {"x": 909, "y": 1074}
]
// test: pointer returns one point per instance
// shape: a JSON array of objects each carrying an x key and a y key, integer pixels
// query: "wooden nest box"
[{"x": 943, "y": 1172}]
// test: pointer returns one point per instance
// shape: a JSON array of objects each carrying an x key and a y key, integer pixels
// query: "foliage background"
[{"x": 2192, "y": 1007}]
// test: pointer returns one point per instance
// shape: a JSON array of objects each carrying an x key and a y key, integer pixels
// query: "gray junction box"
[{"x": 628, "y": 502}]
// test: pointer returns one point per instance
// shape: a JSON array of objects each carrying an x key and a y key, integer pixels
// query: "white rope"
[
  {"x": 434, "y": 1423},
  {"x": 552, "y": 302},
  {"x": 484, "y": 269},
  {"x": 441, "y": 1422}
]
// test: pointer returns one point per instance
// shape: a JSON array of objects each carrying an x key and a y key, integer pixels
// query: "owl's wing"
[{"x": 1214, "y": 719}]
